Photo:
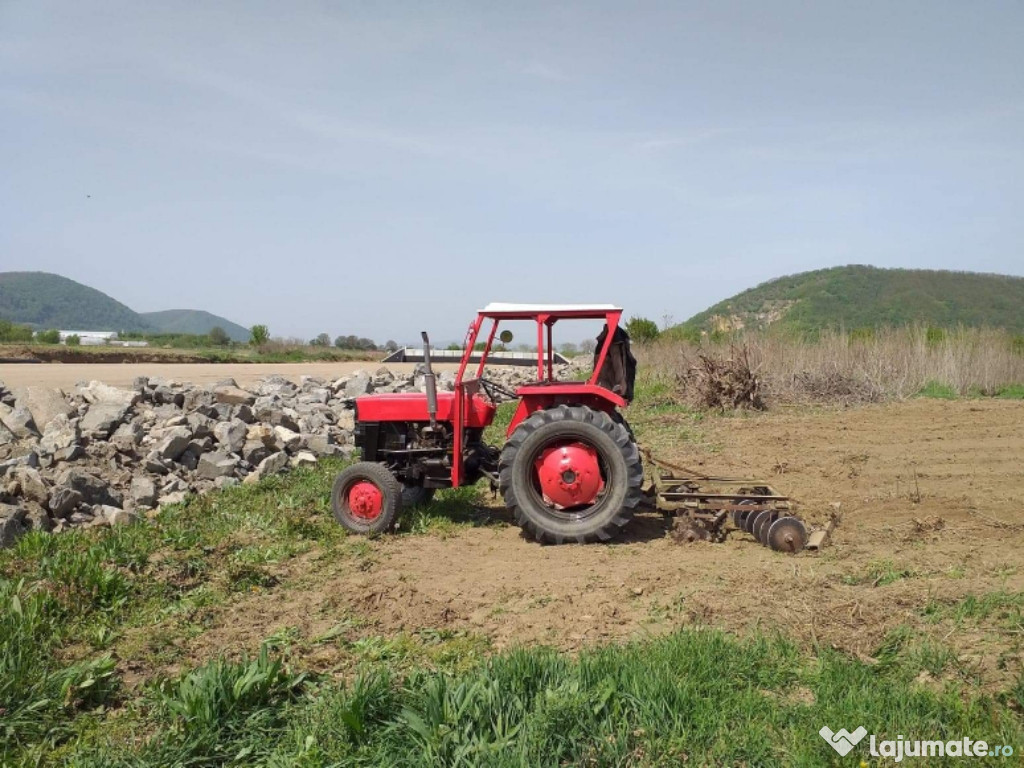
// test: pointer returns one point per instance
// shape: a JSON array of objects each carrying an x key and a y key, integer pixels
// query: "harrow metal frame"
[{"x": 702, "y": 504}]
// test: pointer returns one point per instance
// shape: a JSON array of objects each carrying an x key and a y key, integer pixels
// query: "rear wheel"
[
  {"x": 366, "y": 498},
  {"x": 416, "y": 496},
  {"x": 571, "y": 474}
]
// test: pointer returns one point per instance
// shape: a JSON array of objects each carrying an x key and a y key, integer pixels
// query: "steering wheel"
[{"x": 495, "y": 391}]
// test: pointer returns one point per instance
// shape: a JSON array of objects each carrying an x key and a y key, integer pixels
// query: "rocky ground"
[{"x": 102, "y": 455}]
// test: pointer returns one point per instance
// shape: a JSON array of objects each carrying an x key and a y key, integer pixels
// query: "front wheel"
[
  {"x": 571, "y": 474},
  {"x": 366, "y": 498}
]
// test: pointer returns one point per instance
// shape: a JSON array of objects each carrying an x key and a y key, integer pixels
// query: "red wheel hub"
[
  {"x": 569, "y": 475},
  {"x": 365, "y": 500}
]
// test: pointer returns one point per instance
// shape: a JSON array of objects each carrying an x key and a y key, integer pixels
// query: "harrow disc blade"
[
  {"x": 761, "y": 524},
  {"x": 787, "y": 534},
  {"x": 748, "y": 519}
]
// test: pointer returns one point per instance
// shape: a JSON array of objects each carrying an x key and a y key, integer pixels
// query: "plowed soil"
[{"x": 930, "y": 494}]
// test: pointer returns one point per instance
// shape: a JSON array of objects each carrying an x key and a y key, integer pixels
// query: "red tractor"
[{"x": 570, "y": 470}]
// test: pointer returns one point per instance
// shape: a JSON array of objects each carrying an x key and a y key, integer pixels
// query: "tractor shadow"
[{"x": 452, "y": 509}]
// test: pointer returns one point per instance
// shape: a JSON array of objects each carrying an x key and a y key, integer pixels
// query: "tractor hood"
[{"x": 412, "y": 406}]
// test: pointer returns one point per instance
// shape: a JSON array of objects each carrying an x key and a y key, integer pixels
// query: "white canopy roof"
[{"x": 503, "y": 307}]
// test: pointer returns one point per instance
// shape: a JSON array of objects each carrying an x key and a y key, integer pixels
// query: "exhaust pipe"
[{"x": 430, "y": 381}]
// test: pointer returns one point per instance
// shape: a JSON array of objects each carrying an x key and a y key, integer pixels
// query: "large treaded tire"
[
  {"x": 622, "y": 469},
  {"x": 386, "y": 483}
]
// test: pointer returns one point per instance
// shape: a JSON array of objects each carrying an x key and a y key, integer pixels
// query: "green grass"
[
  {"x": 695, "y": 697},
  {"x": 1001, "y": 608},
  {"x": 878, "y": 573},
  {"x": 1011, "y": 392},
  {"x": 937, "y": 390}
]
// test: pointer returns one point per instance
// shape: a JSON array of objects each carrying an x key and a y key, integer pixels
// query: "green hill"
[
  {"x": 45, "y": 300},
  {"x": 193, "y": 321},
  {"x": 867, "y": 297}
]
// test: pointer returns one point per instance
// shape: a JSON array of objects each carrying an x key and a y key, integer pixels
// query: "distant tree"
[
  {"x": 259, "y": 335},
  {"x": 587, "y": 346},
  {"x": 74, "y": 340},
  {"x": 642, "y": 330},
  {"x": 323, "y": 340},
  {"x": 569, "y": 349},
  {"x": 51, "y": 336},
  {"x": 453, "y": 347},
  {"x": 354, "y": 342},
  {"x": 219, "y": 337},
  {"x": 391, "y": 345},
  {"x": 11, "y": 332}
]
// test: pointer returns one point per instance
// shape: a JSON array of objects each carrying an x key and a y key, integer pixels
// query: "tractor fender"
[{"x": 541, "y": 397}]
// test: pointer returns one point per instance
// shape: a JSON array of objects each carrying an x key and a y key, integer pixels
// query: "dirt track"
[
  {"x": 931, "y": 498},
  {"x": 65, "y": 375}
]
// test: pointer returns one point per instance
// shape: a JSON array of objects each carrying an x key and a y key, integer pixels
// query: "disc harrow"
[{"x": 709, "y": 508}]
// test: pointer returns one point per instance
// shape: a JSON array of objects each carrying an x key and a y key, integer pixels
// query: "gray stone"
[
  {"x": 116, "y": 515},
  {"x": 225, "y": 482},
  {"x": 199, "y": 447},
  {"x": 98, "y": 392},
  {"x": 18, "y": 420},
  {"x": 33, "y": 487},
  {"x": 201, "y": 426},
  {"x": 233, "y": 395},
  {"x": 346, "y": 420},
  {"x": 174, "y": 443},
  {"x": 303, "y": 459},
  {"x": 6, "y": 436},
  {"x": 173, "y": 485},
  {"x": 143, "y": 492},
  {"x": 63, "y": 500},
  {"x": 12, "y": 524},
  {"x": 318, "y": 443},
  {"x": 255, "y": 451},
  {"x": 189, "y": 460},
  {"x": 36, "y": 519},
  {"x": 196, "y": 398},
  {"x": 360, "y": 384},
  {"x": 287, "y": 439},
  {"x": 154, "y": 464},
  {"x": 45, "y": 404},
  {"x": 244, "y": 413},
  {"x": 61, "y": 437},
  {"x": 271, "y": 465},
  {"x": 164, "y": 395},
  {"x": 172, "y": 498},
  {"x": 94, "y": 490},
  {"x": 214, "y": 465},
  {"x": 231, "y": 434},
  {"x": 102, "y": 418},
  {"x": 383, "y": 377},
  {"x": 127, "y": 437}
]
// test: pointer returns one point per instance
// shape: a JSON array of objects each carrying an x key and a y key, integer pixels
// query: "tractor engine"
[{"x": 392, "y": 429}]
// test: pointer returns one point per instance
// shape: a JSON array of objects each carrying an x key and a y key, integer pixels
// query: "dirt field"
[
  {"x": 65, "y": 375},
  {"x": 930, "y": 492}
]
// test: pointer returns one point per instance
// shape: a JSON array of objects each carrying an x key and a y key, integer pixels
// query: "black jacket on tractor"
[{"x": 619, "y": 372}]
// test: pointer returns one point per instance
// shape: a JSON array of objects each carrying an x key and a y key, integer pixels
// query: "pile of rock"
[{"x": 103, "y": 456}]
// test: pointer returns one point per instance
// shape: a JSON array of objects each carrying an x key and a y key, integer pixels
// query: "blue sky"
[{"x": 375, "y": 168}]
